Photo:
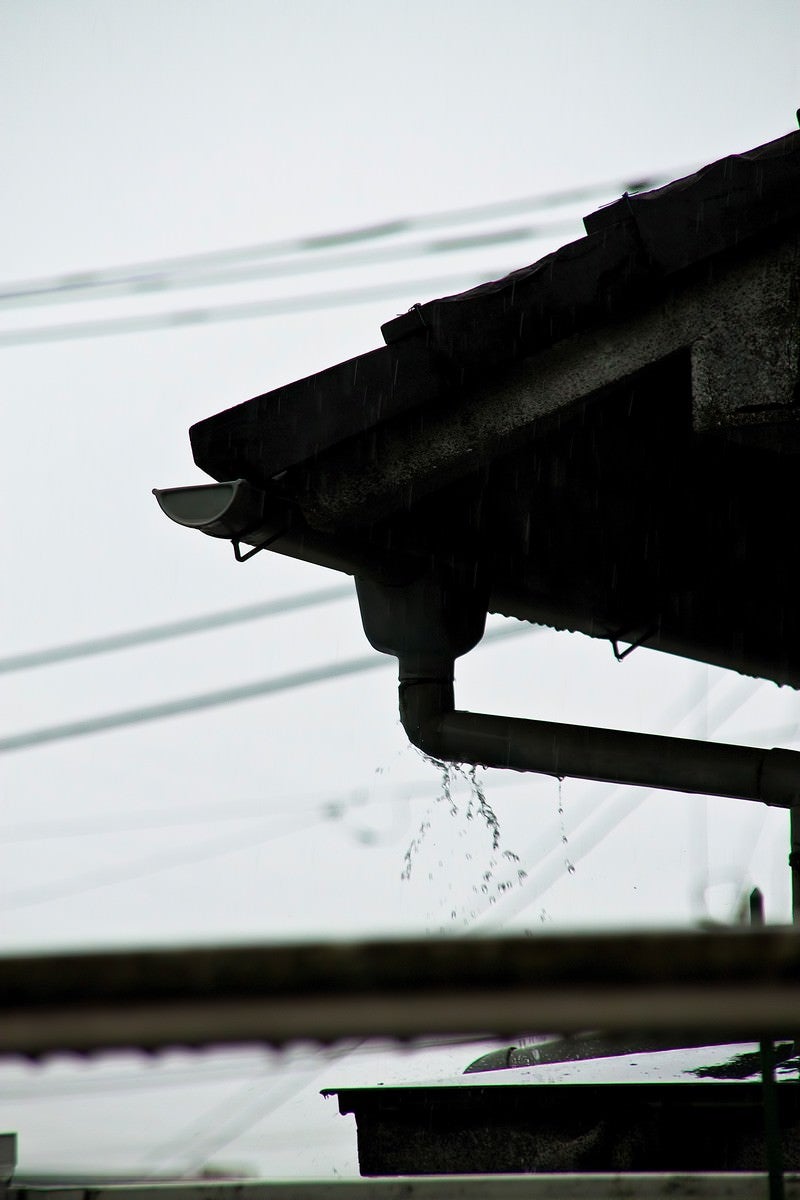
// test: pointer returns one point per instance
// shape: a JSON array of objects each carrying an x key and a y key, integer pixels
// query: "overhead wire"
[
  {"x": 228, "y": 1120},
  {"x": 220, "y": 1133},
  {"x": 287, "y": 257},
  {"x": 172, "y": 629},
  {"x": 282, "y": 268},
  {"x": 279, "y": 306},
  {"x": 789, "y": 732},
  {"x": 213, "y": 699},
  {"x": 98, "y": 825},
  {"x": 101, "y": 825},
  {"x": 115, "y": 873},
  {"x": 328, "y": 810},
  {"x": 590, "y": 831},
  {"x": 189, "y": 704},
  {"x": 147, "y": 820},
  {"x": 77, "y": 282}
]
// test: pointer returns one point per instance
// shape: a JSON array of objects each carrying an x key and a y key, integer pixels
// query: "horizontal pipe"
[{"x": 607, "y": 755}]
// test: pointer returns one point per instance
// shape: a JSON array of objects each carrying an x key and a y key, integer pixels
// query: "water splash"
[{"x": 502, "y": 871}]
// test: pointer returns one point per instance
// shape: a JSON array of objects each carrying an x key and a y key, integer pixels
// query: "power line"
[
  {"x": 114, "y": 874},
  {"x": 276, "y": 307},
  {"x": 228, "y": 1120},
  {"x": 188, "y": 704},
  {"x": 146, "y": 822},
  {"x": 213, "y": 699},
  {"x": 83, "y": 281},
  {"x": 778, "y": 733},
  {"x": 332, "y": 806},
  {"x": 110, "y": 875},
  {"x": 171, "y": 629},
  {"x": 177, "y": 280}
]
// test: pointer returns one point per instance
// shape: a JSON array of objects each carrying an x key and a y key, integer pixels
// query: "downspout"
[
  {"x": 439, "y": 729},
  {"x": 428, "y": 623},
  {"x": 428, "y": 615}
]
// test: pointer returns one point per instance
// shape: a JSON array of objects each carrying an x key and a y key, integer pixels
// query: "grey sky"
[{"x": 137, "y": 132}]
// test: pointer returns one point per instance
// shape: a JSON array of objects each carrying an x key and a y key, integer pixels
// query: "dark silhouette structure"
[{"x": 605, "y": 441}]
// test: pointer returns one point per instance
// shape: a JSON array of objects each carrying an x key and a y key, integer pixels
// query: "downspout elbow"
[{"x": 424, "y": 704}]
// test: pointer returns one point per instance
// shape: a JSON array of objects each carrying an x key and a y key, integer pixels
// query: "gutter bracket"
[
  {"x": 240, "y": 558},
  {"x": 621, "y": 655}
]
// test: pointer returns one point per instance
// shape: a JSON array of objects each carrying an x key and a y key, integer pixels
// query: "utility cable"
[
  {"x": 86, "y": 281},
  {"x": 214, "y": 699},
  {"x": 778, "y": 733},
  {"x": 100, "y": 825},
  {"x": 188, "y": 704},
  {"x": 228, "y": 1120},
  {"x": 279, "y": 306},
  {"x": 113, "y": 874},
  {"x": 165, "y": 281},
  {"x": 172, "y": 629},
  {"x": 148, "y": 820}
]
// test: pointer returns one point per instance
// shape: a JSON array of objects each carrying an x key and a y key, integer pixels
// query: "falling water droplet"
[{"x": 568, "y": 863}]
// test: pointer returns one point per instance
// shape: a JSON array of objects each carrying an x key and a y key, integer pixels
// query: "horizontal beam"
[
  {"x": 706, "y": 1186},
  {"x": 748, "y": 980}
]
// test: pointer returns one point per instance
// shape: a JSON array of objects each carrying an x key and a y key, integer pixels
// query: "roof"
[
  {"x": 631, "y": 249},
  {"x": 610, "y": 434}
]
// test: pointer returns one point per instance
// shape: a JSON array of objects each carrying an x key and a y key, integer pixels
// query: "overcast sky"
[{"x": 139, "y": 132}]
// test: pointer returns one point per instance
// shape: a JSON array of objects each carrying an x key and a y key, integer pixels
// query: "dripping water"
[
  {"x": 568, "y": 863},
  {"x": 499, "y": 871}
]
